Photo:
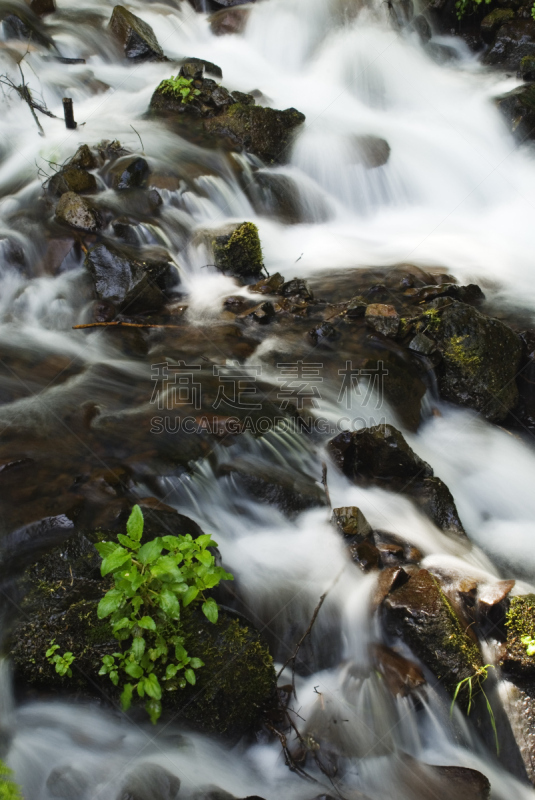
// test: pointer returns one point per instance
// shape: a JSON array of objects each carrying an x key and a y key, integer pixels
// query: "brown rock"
[
  {"x": 401, "y": 675},
  {"x": 382, "y": 318},
  {"x": 76, "y": 212}
]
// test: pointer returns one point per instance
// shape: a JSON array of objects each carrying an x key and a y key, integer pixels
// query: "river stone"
[
  {"x": 480, "y": 358},
  {"x": 84, "y": 158},
  {"x": 130, "y": 173},
  {"x": 513, "y": 41},
  {"x": 518, "y": 108},
  {"x": 126, "y": 280},
  {"x": 71, "y": 179},
  {"x": 229, "y": 20},
  {"x": 67, "y": 782},
  {"x": 372, "y": 151},
  {"x": 380, "y": 456},
  {"x": 382, "y": 318},
  {"x": 76, "y": 212},
  {"x": 26, "y": 25},
  {"x": 421, "y": 615},
  {"x": 264, "y": 132},
  {"x": 401, "y": 675},
  {"x": 43, "y": 7},
  {"x": 150, "y": 782},
  {"x": 136, "y": 37},
  {"x": 493, "y": 21},
  {"x": 527, "y": 68},
  {"x": 350, "y": 521},
  {"x": 238, "y": 251},
  {"x": 192, "y": 67}
]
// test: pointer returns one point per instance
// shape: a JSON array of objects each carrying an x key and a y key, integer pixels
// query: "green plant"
[
  {"x": 533, "y": 10},
  {"x": 151, "y": 583},
  {"x": 474, "y": 683},
  {"x": 62, "y": 663},
  {"x": 462, "y": 6},
  {"x": 529, "y": 644},
  {"x": 432, "y": 318},
  {"x": 179, "y": 85},
  {"x": 8, "y": 789}
]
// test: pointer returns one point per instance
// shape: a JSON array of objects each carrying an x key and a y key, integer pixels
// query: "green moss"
[
  {"x": 456, "y": 351},
  {"x": 431, "y": 318},
  {"x": 520, "y": 619},
  {"x": 239, "y": 252},
  {"x": 457, "y": 640}
]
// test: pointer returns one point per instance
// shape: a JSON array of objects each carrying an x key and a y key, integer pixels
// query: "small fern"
[
  {"x": 8, "y": 789},
  {"x": 179, "y": 86}
]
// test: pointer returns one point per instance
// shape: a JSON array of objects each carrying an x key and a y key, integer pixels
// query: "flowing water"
[{"x": 456, "y": 193}]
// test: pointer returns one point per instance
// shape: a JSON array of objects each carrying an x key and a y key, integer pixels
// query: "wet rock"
[
  {"x": 25, "y": 25},
  {"x": 150, "y": 782},
  {"x": 279, "y": 196},
  {"x": 192, "y": 67},
  {"x": 427, "y": 781},
  {"x": 239, "y": 252},
  {"x": 382, "y": 318},
  {"x": 356, "y": 307},
  {"x": 493, "y": 21},
  {"x": 297, "y": 289},
  {"x": 324, "y": 333},
  {"x": 136, "y": 38},
  {"x": 421, "y": 615},
  {"x": 230, "y": 3},
  {"x": 43, "y": 7},
  {"x": 71, "y": 179},
  {"x": 365, "y": 554},
  {"x": 422, "y": 344},
  {"x": 441, "y": 53},
  {"x": 130, "y": 174},
  {"x": 470, "y": 294},
  {"x": 513, "y": 41},
  {"x": 350, "y": 521},
  {"x": 525, "y": 409},
  {"x": 208, "y": 98},
  {"x": 126, "y": 279},
  {"x": 76, "y": 212},
  {"x": 388, "y": 579},
  {"x": 520, "y": 622},
  {"x": 67, "y": 782},
  {"x": 401, "y": 675},
  {"x": 518, "y": 108},
  {"x": 480, "y": 358},
  {"x": 372, "y": 151},
  {"x": 380, "y": 456},
  {"x": 527, "y": 68},
  {"x": 492, "y": 607},
  {"x": 394, "y": 550},
  {"x": 265, "y": 132},
  {"x": 228, "y": 21},
  {"x": 262, "y": 313},
  {"x": 422, "y": 28},
  {"x": 271, "y": 285}
]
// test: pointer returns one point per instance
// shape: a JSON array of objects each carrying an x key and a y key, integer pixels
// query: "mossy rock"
[
  {"x": 514, "y": 40},
  {"x": 496, "y": 18},
  {"x": 265, "y": 132},
  {"x": 71, "y": 179},
  {"x": 135, "y": 36},
  {"x": 239, "y": 252},
  {"x": 480, "y": 358},
  {"x": 420, "y": 613},
  {"x": 520, "y": 621},
  {"x": 518, "y": 108}
]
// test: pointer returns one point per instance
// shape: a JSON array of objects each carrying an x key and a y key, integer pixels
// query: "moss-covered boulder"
[
  {"x": 514, "y": 40},
  {"x": 493, "y": 21},
  {"x": 422, "y": 616},
  {"x": 238, "y": 251},
  {"x": 265, "y": 132},
  {"x": 136, "y": 37},
  {"x": 480, "y": 358},
  {"x": 62, "y": 593},
  {"x": 518, "y": 108},
  {"x": 520, "y": 621}
]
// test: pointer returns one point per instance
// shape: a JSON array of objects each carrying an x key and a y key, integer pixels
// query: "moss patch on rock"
[
  {"x": 239, "y": 252},
  {"x": 519, "y": 622}
]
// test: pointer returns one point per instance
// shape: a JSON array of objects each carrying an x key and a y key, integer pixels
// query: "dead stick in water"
[
  {"x": 324, "y": 482},
  {"x": 68, "y": 113},
  {"x": 121, "y": 325}
]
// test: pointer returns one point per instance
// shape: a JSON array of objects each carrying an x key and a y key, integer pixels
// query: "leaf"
[
  {"x": 51, "y": 650},
  {"x": 205, "y": 558},
  {"x": 114, "y": 677},
  {"x": 137, "y": 602},
  {"x": 171, "y": 671},
  {"x": 210, "y": 609},
  {"x": 154, "y": 710},
  {"x": 134, "y": 526},
  {"x": 111, "y": 601},
  {"x": 126, "y": 696},
  {"x": 531, "y": 649},
  {"x": 134, "y": 670},
  {"x": 165, "y": 566},
  {"x": 115, "y": 560},
  {"x": 138, "y": 647},
  {"x": 190, "y": 595},
  {"x": 147, "y": 623},
  {"x": 122, "y": 623},
  {"x": 152, "y": 686},
  {"x": 196, "y": 663},
  {"x": 128, "y": 542},
  {"x": 105, "y": 548},
  {"x": 108, "y": 661},
  {"x": 169, "y": 603},
  {"x": 150, "y": 551},
  {"x": 190, "y": 676},
  {"x": 180, "y": 653}
]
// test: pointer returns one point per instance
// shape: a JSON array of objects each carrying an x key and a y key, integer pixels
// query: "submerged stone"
[{"x": 130, "y": 174}]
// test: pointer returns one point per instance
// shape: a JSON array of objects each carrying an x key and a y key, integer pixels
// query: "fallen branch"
[
  {"x": 119, "y": 324},
  {"x": 25, "y": 94},
  {"x": 324, "y": 482},
  {"x": 290, "y": 763}
]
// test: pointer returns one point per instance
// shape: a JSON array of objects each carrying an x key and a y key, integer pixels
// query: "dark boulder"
[
  {"x": 480, "y": 358},
  {"x": 382, "y": 318},
  {"x": 401, "y": 676},
  {"x": 513, "y": 41},
  {"x": 380, "y": 456},
  {"x": 192, "y": 67},
  {"x": 527, "y": 68},
  {"x": 130, "y": 173},
  {"x": 84, "y": 158},
  {"x": 126, "y": 279},
  {"x": 136, "y": 38},
  {"x": 422, "y": 616},
  {"x": 265, "y": 132},
  {"x": 71, "y": 179},
  {"x": 229, "y": 20},
  {"x": 149, "y": 782},
  {"x": 372, "y": 151},
  {"x": 43, "y": 7},
  {"x": 238, "y": 252},
  {"x": 493, "y": 21},
  {"x": 26, "y": 25},
  {"x": 518, "y": 108},
  {"x": 76, "y": 212}
]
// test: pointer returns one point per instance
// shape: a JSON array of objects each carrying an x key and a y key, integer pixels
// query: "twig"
[
  {"x": 324, "y": 482},
  {"x": 290, "y": 763},
  {"x": 139, "y": 137},
  {"x": 120, "y": 324},
  {"x": 315, "y": 756},
  {"x": 25, "y": 94}
]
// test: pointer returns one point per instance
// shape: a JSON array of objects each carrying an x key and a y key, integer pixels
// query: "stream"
[{"x": 454, "y": 197}]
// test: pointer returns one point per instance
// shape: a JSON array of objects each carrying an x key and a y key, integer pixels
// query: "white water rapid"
[{"x": 456, "y": 193}]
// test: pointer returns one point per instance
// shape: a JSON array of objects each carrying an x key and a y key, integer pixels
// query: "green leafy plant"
[
  {"x": 474, "y": 684},
  {"x": 463, "y": 6},
  {"x": 529, "y": 644},
  {"x": 62, "y": 663},
  {"x": 152, "y": 581},
  {"x": 179, "y": 85},
  {"x": 8, "y": 788}
]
